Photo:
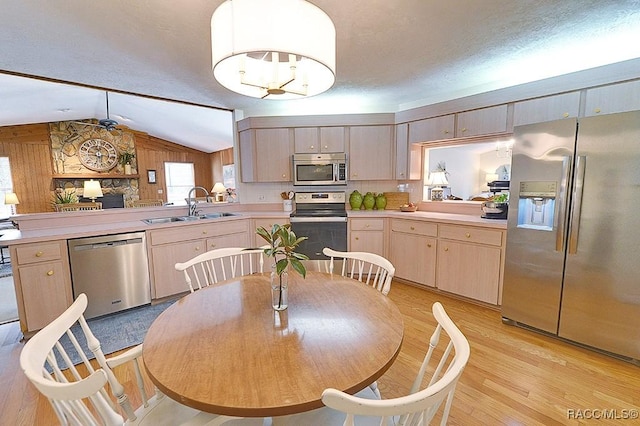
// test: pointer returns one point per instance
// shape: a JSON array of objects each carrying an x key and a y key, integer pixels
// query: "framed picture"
[{"x": 151, "y": 176}]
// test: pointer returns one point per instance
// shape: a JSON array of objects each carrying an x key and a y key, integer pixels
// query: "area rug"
[
  {"x": 116, "y": 331},
  {"x": 5, "y": 270}
]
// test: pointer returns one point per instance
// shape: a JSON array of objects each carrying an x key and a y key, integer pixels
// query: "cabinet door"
[
  {"x": 414, "y": 257},
  {"x": 483, "y": 121},
  {"x": 611, "y": 99},
  {"x": 167, "y": 280},
  {"x": 331, "y": 139},
  {"x": 408, "y": 155},
  {"x": 432, "y": 129},
  {"x": 548, "y": 108},
  {"x": 371, "y": 150},
  {"x": 247, "y": 145},
  {"x": 469, "y": 270},
  {"x": 273, "y": 155},
  {"x": 45, "y": 293},
  {"x": 367, "y": 241},
  {"x": 306, "y": 140}
]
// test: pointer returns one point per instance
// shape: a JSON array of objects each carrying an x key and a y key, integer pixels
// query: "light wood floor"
[{"x": 514, "y": 376}]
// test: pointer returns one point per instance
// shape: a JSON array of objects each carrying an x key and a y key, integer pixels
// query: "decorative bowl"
[{"x": 408, "y": 208}]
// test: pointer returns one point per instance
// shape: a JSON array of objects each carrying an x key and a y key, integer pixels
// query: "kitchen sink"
[{"x": 157, "y": 220}]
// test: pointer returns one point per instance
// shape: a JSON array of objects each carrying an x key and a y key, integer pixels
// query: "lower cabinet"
[
  {"x": 367, "y": 235},
  {"x": 179, "y": 244},
  {"x": 469, "y": 262},
  {"x": 42, "y": 278},
  {"x": 463, "y": 260},
  {"x": 413, "y": 250}
]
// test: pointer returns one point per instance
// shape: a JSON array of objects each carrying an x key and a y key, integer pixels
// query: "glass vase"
[{"x": 279, "y": 290}]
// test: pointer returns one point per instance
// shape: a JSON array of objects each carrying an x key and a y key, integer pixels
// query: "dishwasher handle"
[{"x": 107, "y": 244}]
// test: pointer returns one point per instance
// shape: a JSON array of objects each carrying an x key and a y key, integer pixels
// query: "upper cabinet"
[
  {"x": 312, "y": 140},
  {"x": 432, "y": 129},
  {"x": 371, "y": 152},
  {"x": 265, "y": 155},
  {"x": 549, "y": 108},
  {"x": 408, "y": 156},
  {"x": 483, "y": 121},
  {"x": 611, "y": 99}
]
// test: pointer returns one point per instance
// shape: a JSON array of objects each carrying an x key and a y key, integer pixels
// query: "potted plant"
[
  {"x": 282, "y": 241},
  {"x": 63, "y": 196},
  {"x": 125, "y": 159}
]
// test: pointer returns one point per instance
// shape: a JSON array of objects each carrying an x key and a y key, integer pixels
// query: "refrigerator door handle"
[
  {"x": 574, "y": 223},
  {"x": 562, "y": 210}
]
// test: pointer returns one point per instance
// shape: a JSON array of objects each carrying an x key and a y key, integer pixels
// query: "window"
[
  {"x": 229, "y": 176},
  {"x": 6, "y": 185},
  {"x": 180, "y": 178}
]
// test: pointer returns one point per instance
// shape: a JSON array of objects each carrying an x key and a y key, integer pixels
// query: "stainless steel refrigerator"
[{"x": 572, "y": 264}]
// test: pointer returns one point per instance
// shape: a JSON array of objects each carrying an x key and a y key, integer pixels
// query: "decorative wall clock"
[{"x": 98, "y": 155}]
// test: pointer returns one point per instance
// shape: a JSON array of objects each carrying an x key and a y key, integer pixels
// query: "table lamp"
[
  {"x": 92, "y": 190},
  {"x": 219, "y": 190},
  {"x": 437, "y": 179},
  {"x": 11, "y": 199}
]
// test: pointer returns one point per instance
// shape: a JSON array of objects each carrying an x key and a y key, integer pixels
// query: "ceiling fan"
[{"x": 106, "y": 123}]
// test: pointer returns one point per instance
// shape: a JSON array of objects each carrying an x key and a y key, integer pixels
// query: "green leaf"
[{"x": 299, "y": 267}]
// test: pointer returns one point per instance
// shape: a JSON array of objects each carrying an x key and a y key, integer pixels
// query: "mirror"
[{"x": 468, "y": 167}]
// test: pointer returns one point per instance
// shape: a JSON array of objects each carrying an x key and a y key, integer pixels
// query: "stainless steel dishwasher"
[{"x": 111, "y": 270}]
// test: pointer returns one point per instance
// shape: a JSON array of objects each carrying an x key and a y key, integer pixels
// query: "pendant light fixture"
[{"x": 273, "y": 49}]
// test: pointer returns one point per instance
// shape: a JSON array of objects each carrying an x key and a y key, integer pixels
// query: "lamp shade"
[
  {"x": 218, "y": 187},
  {"x": 273, "y": 49},
  {"x": 11, "y": 198},
  {"x": 92, "y": 189},
  {"x": 438, "y": 178}
]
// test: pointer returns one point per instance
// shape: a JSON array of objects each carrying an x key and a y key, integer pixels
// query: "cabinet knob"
[
  {"x": 357, "y": 238},
  {"x": 464, "y": 129},
  {"x": 284, "y": 175},
  {"x": 312, "y": 147},
  {"x": 39, "y": 254},
  {"x": 197, "y": 249},
  {"x": 326, "y": 147},
  {"x": 597, "y": 111},
  {"x": 205, "y": 232},
  {"x": 413, "y": 229},
  {"x": 446, "y": 249},
  {"x": 49, "y": 273},
  {"x": 366, "y": 226},
  {"x": 468, "y": 235},
  {"x": 429, "y": 245},
  {"x": 446, "y": 132},
  {"x": 565, "y": 115}
]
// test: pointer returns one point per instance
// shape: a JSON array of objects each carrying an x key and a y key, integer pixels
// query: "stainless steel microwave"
[{"x": 320, "y": 169}]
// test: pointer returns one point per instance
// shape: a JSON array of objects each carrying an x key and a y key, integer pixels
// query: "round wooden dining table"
[{"x": 225, "y": 350}]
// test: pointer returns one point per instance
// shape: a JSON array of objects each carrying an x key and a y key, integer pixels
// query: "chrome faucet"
[{"x": 192, "y": 201}]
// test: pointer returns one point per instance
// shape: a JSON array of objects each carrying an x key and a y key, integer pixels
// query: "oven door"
[{"x": 321, "y": 232}]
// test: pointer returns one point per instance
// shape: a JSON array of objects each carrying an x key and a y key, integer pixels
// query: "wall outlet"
[{"x": 159, "y": 191}]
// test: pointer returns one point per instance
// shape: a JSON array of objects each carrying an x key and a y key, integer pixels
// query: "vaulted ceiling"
[{"x": 391, "y": 55}]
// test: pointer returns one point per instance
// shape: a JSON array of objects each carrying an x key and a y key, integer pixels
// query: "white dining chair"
[
  {"x": 221, "y": 264},
  {"x": 79, "y": 394},
  {"x": 444, "y": 365},
  {"x": 369, "y": 268}
]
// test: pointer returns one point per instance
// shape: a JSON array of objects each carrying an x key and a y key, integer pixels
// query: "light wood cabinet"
[
  {"x": 432, "y": 129},
  {"x": 367, "y": 234},
  {"x": 265, "y": 155},
  {"x": 549, "y": 108},
  {"x": 312, "y": 140},
  {"x": 621, "y": 97},
  {"x": 371, "y": 152},
  {"x": 408, "y": 156},
  {"x": 258, "y": 241},
  {"x": 469, "y": 262},
  {"x": 483, "y": 121},
  {"x": 413, "y": 247},
  {"x": 42, "y": 279},
  {"x": 179, "y": 244}
]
